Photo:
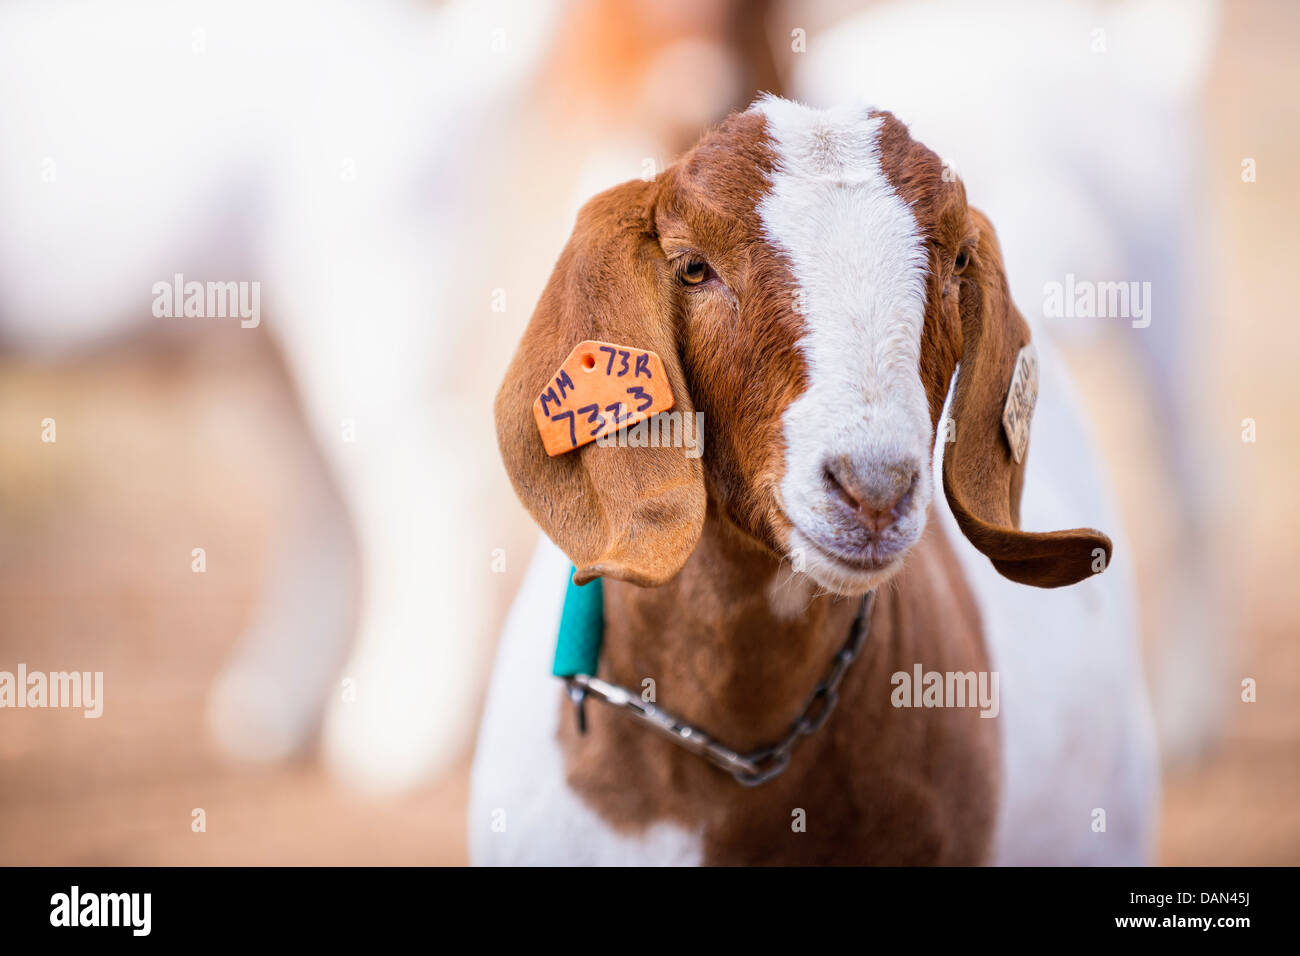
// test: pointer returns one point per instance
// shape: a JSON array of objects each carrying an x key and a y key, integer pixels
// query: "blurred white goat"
[{"x": 331, "y": 151}]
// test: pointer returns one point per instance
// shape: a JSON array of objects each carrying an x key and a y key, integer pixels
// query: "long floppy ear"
[
  {"x": 981, "y": 476},
  {"x": 634, "y": 514}
]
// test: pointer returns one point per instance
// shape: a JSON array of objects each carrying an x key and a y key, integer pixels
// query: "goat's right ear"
[{"x": 634, "y": 514}]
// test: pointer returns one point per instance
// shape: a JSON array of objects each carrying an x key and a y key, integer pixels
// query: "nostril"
[
  {"x": 838, "y": 489},
  {"x": 901, "y": 504}
]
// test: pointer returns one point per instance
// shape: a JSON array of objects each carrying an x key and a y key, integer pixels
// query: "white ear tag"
[{"x": 1021, "y": 398}]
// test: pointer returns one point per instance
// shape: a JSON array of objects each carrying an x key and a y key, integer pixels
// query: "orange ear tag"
[{"x": 600, "y": 389}]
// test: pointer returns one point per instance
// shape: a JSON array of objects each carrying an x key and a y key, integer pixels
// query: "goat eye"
[
  {"x": 694, "y": 272},
  {"x": 963, "y": 258}
]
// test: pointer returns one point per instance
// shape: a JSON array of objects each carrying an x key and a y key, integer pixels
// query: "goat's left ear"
[
  {"x": 634, "y": 514},
  {"x": 981, "y": 477}
]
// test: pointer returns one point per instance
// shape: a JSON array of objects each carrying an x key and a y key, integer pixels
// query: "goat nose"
[{"x": 877, "y": 496}]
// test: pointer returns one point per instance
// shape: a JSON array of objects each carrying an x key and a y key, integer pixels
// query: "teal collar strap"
[{"x": 582, "y": 629}]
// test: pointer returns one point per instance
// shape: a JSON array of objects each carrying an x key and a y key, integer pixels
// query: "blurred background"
[{"x": 398, "y": 177}]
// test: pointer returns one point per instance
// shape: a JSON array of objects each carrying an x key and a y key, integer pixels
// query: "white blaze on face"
[{"x": 860, "y": 264}]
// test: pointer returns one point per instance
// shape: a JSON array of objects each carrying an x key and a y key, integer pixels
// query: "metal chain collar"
[{"x": 758, "y": 766}]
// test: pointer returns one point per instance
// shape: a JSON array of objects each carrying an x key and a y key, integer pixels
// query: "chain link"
[{"x": 758, "y": 766}]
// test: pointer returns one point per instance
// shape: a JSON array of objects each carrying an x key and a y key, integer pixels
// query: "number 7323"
[{"x": 619, "y": 412}]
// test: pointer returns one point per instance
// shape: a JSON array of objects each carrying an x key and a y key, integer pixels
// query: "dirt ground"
[{"x": 161, "y": 447}]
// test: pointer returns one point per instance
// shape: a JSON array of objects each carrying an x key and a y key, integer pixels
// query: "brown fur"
[
  {"x": 878, "y": 784},
  {"x": 688, "y": 552}
]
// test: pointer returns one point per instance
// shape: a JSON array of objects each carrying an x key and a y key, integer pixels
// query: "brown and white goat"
[{"x": 813, "y": 282}]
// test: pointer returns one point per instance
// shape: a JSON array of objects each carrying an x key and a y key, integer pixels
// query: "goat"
[{"x": 814, "y": 283}]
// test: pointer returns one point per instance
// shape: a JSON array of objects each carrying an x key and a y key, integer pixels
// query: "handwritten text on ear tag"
[
  {"x": 599, "y": 389},
  {"x": 1022, "y": 396}
]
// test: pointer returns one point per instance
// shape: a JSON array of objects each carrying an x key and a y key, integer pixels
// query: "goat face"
[{"x": 811, "y": 280}]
